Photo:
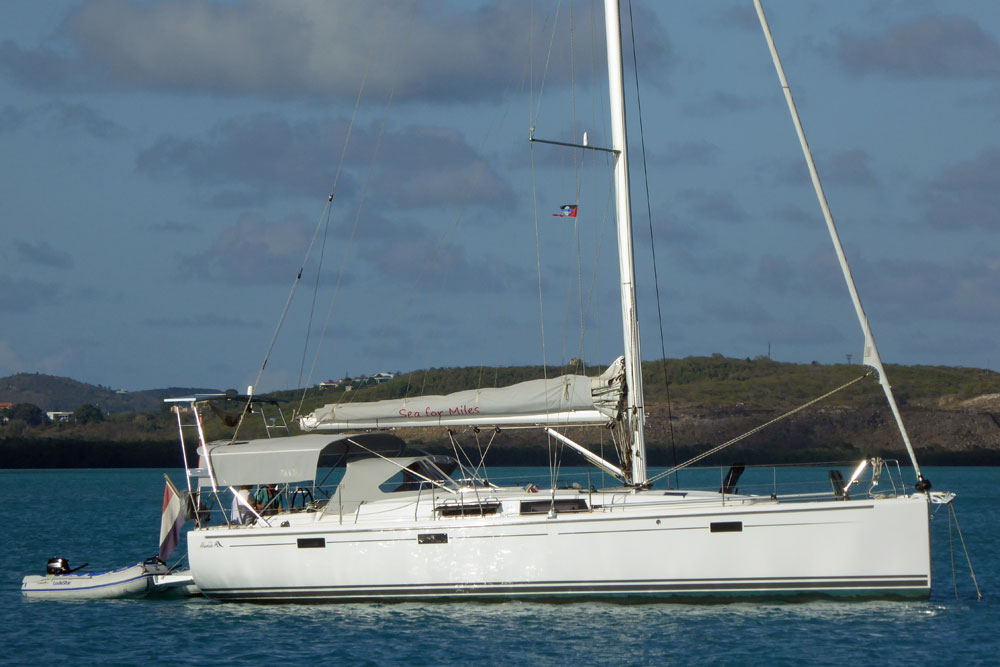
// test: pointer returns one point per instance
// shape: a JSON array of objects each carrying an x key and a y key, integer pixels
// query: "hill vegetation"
[
  {"x": 715, "y": 382},
  {"x": 710, "y": 400},
  {"x": 52, "y": 393}
]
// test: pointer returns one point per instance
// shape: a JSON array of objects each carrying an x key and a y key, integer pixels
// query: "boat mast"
[
  {"x": 634, "y": 414},
  {"x": 871, "y": 358}
]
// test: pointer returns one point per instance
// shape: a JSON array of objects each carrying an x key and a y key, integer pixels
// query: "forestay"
[{"x": 562, "y": 401}]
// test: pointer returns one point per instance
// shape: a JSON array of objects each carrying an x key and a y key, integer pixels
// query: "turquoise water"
[{"x": 111, "y": 518}]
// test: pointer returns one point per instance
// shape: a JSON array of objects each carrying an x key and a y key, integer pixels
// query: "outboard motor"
[{"x": 57, "y": 566}]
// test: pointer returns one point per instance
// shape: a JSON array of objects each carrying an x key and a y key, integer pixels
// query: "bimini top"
[
  {"x": 290, "y": 459},
  {"x": 562, "y": 401}
]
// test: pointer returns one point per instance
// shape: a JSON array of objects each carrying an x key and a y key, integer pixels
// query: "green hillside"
[
  {"x": 714, "y": 382},
  {"x": 52, "y": 393}
]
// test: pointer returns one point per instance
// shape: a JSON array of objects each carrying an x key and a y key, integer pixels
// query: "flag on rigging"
[
  {"x": 567, "y": 211},
  {"x": 171, "y": 521}
]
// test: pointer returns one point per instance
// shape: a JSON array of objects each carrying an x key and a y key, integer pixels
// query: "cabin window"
[
  {"x": 468, "y": 509},
  {"x": 311, "y": 542},
  {"x": 414, "y": 477},
  {"x": 726, "y": 527},
  {"x": 560, "y": 505}
]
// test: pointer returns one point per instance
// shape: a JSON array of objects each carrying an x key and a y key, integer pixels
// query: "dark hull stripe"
[{"x": 856, "y": 586}]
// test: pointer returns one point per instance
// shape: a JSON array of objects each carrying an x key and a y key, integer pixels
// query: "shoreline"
[{"x": 48, "y": 454}]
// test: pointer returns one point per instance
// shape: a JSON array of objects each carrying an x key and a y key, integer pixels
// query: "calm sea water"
[{"x": 111, "y": 518}]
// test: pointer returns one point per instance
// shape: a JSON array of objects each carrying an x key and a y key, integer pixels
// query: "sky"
[{"x": 166, "y": 165}]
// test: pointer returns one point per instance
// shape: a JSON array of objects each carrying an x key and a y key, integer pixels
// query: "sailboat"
[{"x": 421, "y": 526}]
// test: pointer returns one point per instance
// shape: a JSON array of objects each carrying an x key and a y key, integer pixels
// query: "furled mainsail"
[{"x": 562, "y": 401}]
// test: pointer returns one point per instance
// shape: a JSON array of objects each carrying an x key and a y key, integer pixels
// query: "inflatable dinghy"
[{"x": 62, "y": 583}]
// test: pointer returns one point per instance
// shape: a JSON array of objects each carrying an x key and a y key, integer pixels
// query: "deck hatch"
[
  {"x": 312, "y": 542},
  {"x": 560, "y": 505},
  {"x": 432, "y": 538},
  {"x": 469, "y": 509},
  {"x": 726, "y": 527}
]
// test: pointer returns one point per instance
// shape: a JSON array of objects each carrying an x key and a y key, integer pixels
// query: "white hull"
[
  {"x": 133, "y": 581},
  {"x": 175, "y": 584},
  {"x": 635, "y": 545}
]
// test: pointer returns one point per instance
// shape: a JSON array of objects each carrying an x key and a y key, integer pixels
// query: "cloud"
[
  {"x": 308, "y": 49},
  {"x": 42, "y": 68},
  {"x": 707, "y": 263},
  {"x": 677, "y": 233},
  {"x": 964, "y": 196},
  {"x": 252, "y": 252},
  {"x": 173, "y": 227},
  {"x": 201, "y": 322},
  {"x": 799, "y": 331},
  {"x": 741, "y": 18},
  {"x": 712, "y": 206},
  {"x": 791, "y": 172},
  {"x": 966, "y": 290},
  {"x": 986, "y": 99},
  {"x": 25, "y": 295},
  {"x": 263, "y": 153},
  {"x": 62, "y": 117},
  {"x": 850, "y": 168},
  {"x": 810, "y": 275},
  {"x": 12, "y": 118},
  {"x": 411, "y": 255},
  {"x": 749, "y": 322},
  {"x": 428, "y": 166},
  {"x": 737, "y": 312},
  {"x": 83, "y": 118},
  {"x": 690, "y": 154},
  {"x": 266, "y": 155},
  {"x": 947, "y": 46},
  {"x": 43, "y": 254},
  {"x": 720, "y": 103},
  {"x": 796, "y": 215},
  {"x": 10, "y": 362}
]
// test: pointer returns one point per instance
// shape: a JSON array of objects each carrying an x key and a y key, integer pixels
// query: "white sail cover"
[
  {"x": 285, "y": 460},
  {"x": 562, "y": 401}
]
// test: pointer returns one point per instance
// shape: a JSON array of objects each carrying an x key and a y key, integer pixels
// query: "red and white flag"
[{"x": 171, "y": 521}]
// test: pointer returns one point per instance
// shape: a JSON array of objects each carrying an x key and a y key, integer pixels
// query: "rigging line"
[
  {"x": 577, "y": 161},
  {"x": 719, "y": 448},
  {"x": 458, "y": 452},
  {"x": 538, "y": 269},
  {"x": 401, "y": 467},
  {"x": 312, "y": 306},
  {"x": 333, "y": 189},
  {"x": 364, "y": 190},
  {"x": 472, "y": 471},
  {"x": 951, "y": 552},
  {"x": 652, "y": 244},
  {"x": 478, "y": 174},
  {"x": 277, "y": 330},
  {"x": 593, "y": 301},
  {"x": 979, "y": 593},
  {"x": 548, "y": 57},
  {"x": 576, "y": 200},
  {"x": 871, "y": 358},
  {"x": 599, "y": 118},
  {"x": 483, "y": 453},
  {"x": 507, "y": 99}
]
